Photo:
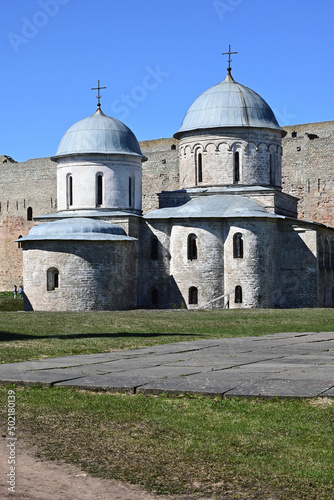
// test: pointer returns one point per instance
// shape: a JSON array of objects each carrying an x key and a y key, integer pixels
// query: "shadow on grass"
[{"x": 7, "y": 336}]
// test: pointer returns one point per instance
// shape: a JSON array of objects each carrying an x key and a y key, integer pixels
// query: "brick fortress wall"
[
  {"x": 160, "y": 171},
  {"x": 31, "y": 184},
  {"x": 308, "y": 169}
]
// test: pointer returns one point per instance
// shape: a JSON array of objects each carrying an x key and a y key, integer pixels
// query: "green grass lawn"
[
  {"x": 189, "y": 445},
  {"x": 181, "y": 445},
  {"x": 35, "y": 335},
  {"x": 8, "y": 303}
]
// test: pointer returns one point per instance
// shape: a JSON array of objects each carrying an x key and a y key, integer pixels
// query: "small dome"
[
  {"x": 78, "y": 228},
  {"x": 98, "y": 133},
  {"x": 229, "y": 104}
]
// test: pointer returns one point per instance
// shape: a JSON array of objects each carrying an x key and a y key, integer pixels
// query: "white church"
[{"x": 228, "y": 237}]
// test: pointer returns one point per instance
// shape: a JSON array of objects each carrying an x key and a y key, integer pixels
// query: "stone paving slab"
[
  {"x": 110, "y": 382},
  {"x": 281, "y": 388},
  {"x": 279, "y": 365}
]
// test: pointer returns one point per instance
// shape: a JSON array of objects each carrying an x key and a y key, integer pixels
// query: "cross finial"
[
  {"x": 98, "y": 88},
  {"x": 229, "y": 58}
]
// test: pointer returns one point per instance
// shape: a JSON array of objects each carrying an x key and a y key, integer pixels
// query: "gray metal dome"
[
  {"x": 78, "y": 228},
  {"x": 229, "y": 104},
  {"x": 98, "y": 133}
]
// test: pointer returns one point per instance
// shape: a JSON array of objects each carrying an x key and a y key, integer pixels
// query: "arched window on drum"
[
  {"x": 99, "y": 189},
  {"x": 236, "y": 167},
  {"x": 199, "y": 167}
]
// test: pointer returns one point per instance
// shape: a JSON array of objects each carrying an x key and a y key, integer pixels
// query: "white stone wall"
[
  {"x": 254, "y": 272},
  {"x": 206, "y": 272},
  {"x": 92, "y": 275},
  {"x": 218, "y": 147},
  {"x": 116, "y": 171},
  {"x": 278, "y": 267},
  {"x": 215, "y": 272}
]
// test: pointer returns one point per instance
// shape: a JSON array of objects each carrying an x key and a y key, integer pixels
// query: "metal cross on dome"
[
  {"x": 229, "y": 58},
  {"x": 98, "y": 88}
]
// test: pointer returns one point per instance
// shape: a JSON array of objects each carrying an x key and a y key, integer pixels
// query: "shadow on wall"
[
  {"x": 26, "y": 303},
  {"x": 158, "y": 289},
  {"x": 297, "y": 270}
]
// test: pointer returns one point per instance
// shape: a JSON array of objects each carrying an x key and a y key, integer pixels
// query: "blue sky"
[{"x": 155, "y": 57}]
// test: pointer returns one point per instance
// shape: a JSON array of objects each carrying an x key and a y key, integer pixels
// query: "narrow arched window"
[
  {"x": 236, "y": 175},
  {"x": 193, "y": 295},
  {"x": 154, "y": 248},
  {"x": 154, "y": 297},
  {"x": 238, "y": 246},
  {"x": 238, "y": 294},
  {"x": 69, "y": 190},
  {"x": 272, "y": 169},
  {"x": 199, "y": 167},
  {"x": 131, "y": 191},
  {"x": 99, "y": 190},
  {"x": 19, "y": 243},
  {"x": 29, "y": 213},
  {"x": 52, "y": 279},
  {"x": 192, "y": 247}
]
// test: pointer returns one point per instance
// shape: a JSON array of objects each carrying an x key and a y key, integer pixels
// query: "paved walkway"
[{"x": 283, "y": 365}]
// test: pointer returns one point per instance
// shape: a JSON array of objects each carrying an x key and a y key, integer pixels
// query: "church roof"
[
  {"x": 229, "y": 104},
  {"x": 214, "y": 206},
  {"x": 79, "y": 228},
  {"x": 101, "y": 134}
]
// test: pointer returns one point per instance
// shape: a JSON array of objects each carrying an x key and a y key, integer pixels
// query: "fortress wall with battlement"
[
  {"x": 308, "y": 169},
  {"x": 26, "y": 189}
]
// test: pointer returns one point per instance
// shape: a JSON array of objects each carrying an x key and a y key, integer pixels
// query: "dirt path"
[{"x": 36, "y": 480}]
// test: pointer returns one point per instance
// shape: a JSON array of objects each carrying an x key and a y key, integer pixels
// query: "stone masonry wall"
[
  {"x": 254, "y": 272},
  {"x": 22, "y": 185},
  {"x": 308, "y": 169},
  {"x": 206, "y": 272},
  {"x": 92, "y": 275},
  {"x": 307, "y": 173},
  {"x": 259, "y": 157},
  {"x": 160, "y": 171}
]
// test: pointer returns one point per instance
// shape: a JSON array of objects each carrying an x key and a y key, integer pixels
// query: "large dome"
[
  {"x": 98, "y": 133},
  {"x": 228, "y": 104}
]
